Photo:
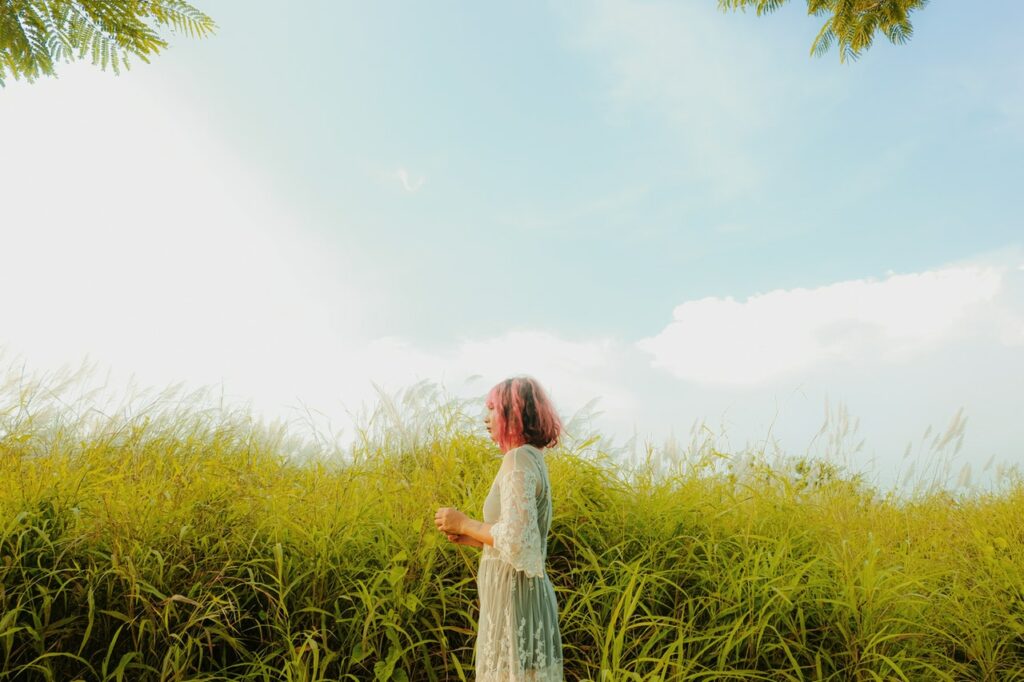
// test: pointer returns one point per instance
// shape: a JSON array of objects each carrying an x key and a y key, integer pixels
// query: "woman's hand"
[
  {"x": 450, "y": 521},
  {"x": 461, "y": 529},
  {"x": 464, "y": 540}
]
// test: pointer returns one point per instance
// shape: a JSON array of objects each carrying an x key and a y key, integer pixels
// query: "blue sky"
[{"x": 667, "y": 207}]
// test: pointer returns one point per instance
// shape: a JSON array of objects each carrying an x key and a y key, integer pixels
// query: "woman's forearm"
[{"x": 479, "y": 531}]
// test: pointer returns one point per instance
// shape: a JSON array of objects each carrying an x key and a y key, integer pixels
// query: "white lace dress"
[{"x": 518, "y": 639}]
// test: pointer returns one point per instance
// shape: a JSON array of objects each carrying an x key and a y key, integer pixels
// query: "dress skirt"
[{"x": 518, "y": 638}]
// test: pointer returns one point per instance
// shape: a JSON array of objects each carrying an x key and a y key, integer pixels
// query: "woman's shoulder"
[
  {"x": 524, "y": 457},
  {"x": 532, "y": 450}
]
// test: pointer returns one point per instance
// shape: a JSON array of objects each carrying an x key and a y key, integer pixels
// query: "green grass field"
[{"x": 183, "y": 543}]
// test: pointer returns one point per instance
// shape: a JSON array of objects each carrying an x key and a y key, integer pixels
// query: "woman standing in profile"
[{"x": 518, "y": 638}]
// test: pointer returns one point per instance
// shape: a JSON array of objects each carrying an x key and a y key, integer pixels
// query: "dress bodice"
[{"x": 530, "y": 458}]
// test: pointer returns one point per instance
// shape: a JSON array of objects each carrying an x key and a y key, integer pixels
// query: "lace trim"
[
  {"x": 549, "y": 674},
  {"x": 523, "y": 662}
]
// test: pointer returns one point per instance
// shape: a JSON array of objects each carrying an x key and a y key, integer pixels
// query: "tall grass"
[{"x": 182, "y": 542}]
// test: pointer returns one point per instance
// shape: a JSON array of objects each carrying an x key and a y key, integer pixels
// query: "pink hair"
[{"x": 523, "y": 414}]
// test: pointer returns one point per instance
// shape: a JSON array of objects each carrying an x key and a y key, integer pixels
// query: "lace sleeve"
[{"x": 517, "y": 534}]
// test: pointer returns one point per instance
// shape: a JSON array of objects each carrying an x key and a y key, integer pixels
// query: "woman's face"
[{"x": 489, "y": 420}]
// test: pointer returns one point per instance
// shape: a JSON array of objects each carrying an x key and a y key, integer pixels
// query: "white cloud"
[
  {"x": 724, "y": 341},
  {"x": 170, "y": 259},
  {"x": 409, "y": 184},
  {"x": 133, "y": 235},
  {"x": 574, "y": 371}
]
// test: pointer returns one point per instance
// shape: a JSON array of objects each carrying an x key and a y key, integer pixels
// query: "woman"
[{"x": 518, "y": 639}]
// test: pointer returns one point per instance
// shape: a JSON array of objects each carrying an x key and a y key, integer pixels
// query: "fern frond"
[
  {"x": 36, "y": 34},
  {"x": 851, "y": 25},
  {"x": 823, "y": 41},
  {"x": 183, "y": 17},
  {"x": 761, "y": 7},
  {"x": 899, "y": 34}
]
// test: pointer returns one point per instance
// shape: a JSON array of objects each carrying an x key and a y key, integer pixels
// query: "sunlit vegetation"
[{"x": 182, "y": 542}]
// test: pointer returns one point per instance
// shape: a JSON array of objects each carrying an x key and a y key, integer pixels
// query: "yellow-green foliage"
[{"x": 186, "y": 545}]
